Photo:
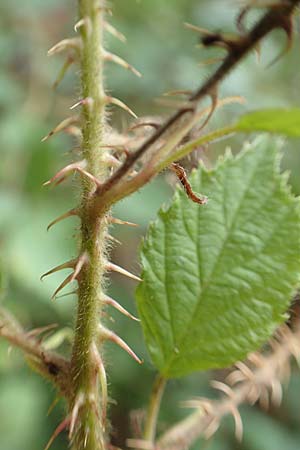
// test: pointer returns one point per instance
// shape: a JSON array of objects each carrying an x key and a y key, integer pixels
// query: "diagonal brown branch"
[
  {"x": 48, "y": 363},
  {"x": 115, "y": 187},
  {"x": 260, "y": 380}
]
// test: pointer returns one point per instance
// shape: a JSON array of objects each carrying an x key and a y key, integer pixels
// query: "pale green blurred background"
[{"x": 165, "y": 52}]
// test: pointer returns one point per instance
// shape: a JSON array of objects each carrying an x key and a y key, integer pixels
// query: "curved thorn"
[
  {"x": 81, "y": 261},
  {"x": 72, "y": 212},
  {"x": 214, "y": 105},
  {"x": 84, "y": 101},
  {"x": 77, "y": 405},
  {"x": 114, "y": 32},
  {"x": 66, "y": 171},
  {"x": 61, "y": 126},
  {"x": 245, "y": 370},
  {"x": 110, "y": 301},
  {"x": 106, "y": 334},
  {"x": 76, "y": 167},
  {"x": 62, "y": 285},
  {"x": 240, "y": 19},
  {"x": 121, "y": 222},
  {"x": 117, "y": 102},
  {"x": 288, "y": 28},
  {"x": 103, "y": 382},
  {"x": 61, "y": 427},
  {"x": 222, "y": 387},
  {"x": 67, "y": 265},
  {"x": 85, "y": 22},
  {"x": 121, "y": 62},
  {"x": 65, "y": 44},
  {"x": 238, "y": 423},
  {"x": 69, "y": 61},
  {"x": 114, "y": 268}
]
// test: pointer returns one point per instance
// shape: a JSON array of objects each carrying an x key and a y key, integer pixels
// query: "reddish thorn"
[
  {"x": 66, "y": 281},
  {"x": 67, "y": 265},
  {"x": 61, "y": 427},
  {"x": 110, "y": 301},
  {"x": 72, "y": 212},
  {"x": 114, "y": 268},
  {"x": 106, "y": 334}
]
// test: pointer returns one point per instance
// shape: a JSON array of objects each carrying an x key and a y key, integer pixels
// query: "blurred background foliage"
[{"x": 167, "y": 55}]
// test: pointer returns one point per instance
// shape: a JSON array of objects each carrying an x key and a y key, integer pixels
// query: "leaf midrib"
[{"x": 207, "y": 284}]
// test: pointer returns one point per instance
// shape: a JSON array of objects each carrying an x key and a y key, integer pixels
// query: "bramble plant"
[{"x": 220, "y": 264}]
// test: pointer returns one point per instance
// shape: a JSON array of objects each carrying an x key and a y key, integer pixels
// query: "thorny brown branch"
[
  {"x": 259, "y": 380},
  {"x": 279, "y": 17},
  {"x": 50, "y": 364}
]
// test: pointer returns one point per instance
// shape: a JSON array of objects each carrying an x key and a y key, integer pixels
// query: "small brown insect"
[{"x": 181, "y": 174}]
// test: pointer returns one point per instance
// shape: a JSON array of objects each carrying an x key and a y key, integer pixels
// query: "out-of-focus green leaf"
[
  {"x": 275, "y": 120},
  {"x": 265, "y": 433},
  {"x": 217, "y": 279},
  {"x": 3, "y": 282}
]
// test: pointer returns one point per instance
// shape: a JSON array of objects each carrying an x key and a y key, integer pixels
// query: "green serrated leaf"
[
  {"x": 217, "y": 279},
  {"x": 278, "y": 120}
]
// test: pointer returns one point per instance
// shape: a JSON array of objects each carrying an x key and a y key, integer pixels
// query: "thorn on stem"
[
  {"x": 114, "y": 32},
  {"x": 66, "y": 281},
  {"x": 67, "y": 265},
  {"x": 84, "y": 22},
  {"x": 65, "y": 44},
  {"x": 110, "y": 301},
  {"x": 84, "y": 101},
  {"x": 75, "y": 264},
  {"x": 287, "y": 26},
  {"x": 69, "y": 61},
  {"x": 121, "y": 222},
  {"x": 105, "y": 334},
  {"x": 61, "y": 126},
  {"x": 114, "y": 268},
  {"x": 61, "y": 427},
  {"x": 72, "y": 212},
  {"x": 121, "y": 62},
  {"x": 77, "y": 405},
  {"x": 67, "y": 170},
  {"x": 81, "y": 261},
  {"x": 103, "y": 382},
  {"x": 117, "y": 102}
]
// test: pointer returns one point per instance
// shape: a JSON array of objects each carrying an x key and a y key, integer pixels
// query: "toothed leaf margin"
[{"x": 218, "y": 279}]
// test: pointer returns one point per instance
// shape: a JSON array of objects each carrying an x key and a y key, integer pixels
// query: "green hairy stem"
[{"x": 89, "y": 433}]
